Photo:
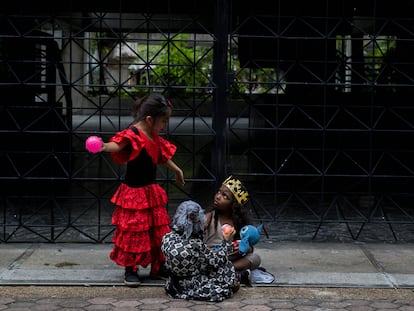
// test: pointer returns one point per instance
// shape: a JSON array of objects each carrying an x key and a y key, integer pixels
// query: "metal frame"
[{"x": 322, "y": 147}]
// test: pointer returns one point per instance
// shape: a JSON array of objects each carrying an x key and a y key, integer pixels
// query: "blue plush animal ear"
[{"x": 254, "y": 233}]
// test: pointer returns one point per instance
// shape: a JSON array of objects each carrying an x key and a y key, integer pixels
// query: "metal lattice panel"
[
  {"x": 330, "y": 147},
  {"x": 309, "y": 104}
]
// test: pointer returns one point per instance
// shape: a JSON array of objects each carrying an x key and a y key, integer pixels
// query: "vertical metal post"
[{"x": 221, "y": 25}]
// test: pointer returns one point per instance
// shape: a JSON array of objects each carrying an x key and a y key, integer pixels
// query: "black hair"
[{"x": 153, "y": 105}]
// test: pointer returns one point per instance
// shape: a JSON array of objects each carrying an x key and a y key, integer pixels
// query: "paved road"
[{"x": 17, "y": 298}]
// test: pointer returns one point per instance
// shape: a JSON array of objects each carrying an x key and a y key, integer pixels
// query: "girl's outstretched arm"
[
  {"x": 179, "y": 175},
  {"x": 112, "y": 147}
]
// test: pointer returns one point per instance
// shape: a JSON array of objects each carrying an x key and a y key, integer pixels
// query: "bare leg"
[{"x": 242, "y": 264}]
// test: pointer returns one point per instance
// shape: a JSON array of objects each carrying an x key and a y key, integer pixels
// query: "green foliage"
[
  {"x": 182, "y": 63},
  {"x": 177, "y": 64}
]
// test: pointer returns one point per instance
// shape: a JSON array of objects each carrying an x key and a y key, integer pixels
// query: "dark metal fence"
[{"x": 309, "y": 104}]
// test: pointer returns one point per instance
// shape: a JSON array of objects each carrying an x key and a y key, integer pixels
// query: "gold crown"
[{"x": 236, "y": 187}]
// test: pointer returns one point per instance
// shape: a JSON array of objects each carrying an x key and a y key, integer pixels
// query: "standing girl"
[
  {"x": 140, "y": 216},
  {"x": 229, "y": 208}
]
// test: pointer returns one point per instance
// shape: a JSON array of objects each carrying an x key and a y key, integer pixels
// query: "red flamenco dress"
[{"x": 140, "y": 216}]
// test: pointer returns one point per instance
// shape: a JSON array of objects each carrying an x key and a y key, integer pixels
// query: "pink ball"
[
  {"x": 93, "y": 144},
  {"x": 227, "y": 229}
]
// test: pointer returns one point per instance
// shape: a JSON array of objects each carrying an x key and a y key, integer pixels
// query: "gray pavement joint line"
[
  {"x": 377, "y": 265},
  {"x": 22, "y": 257}
]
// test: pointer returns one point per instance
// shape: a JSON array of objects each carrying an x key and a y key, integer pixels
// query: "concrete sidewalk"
[{"x": 301, "y": 264}]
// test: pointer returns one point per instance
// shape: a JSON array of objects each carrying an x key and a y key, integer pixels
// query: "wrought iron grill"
[{"x": 309, "y": 105}]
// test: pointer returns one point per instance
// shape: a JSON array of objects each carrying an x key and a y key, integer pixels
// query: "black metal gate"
[{"x": 310, "y": 104}]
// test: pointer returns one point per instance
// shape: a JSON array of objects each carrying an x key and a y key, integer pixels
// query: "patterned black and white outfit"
[{"x": 196, "y": 271}]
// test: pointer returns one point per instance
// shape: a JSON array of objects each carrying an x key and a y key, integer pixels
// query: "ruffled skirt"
[{"x": 141, "y": 221}]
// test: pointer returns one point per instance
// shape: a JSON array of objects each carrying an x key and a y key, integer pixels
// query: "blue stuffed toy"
[{"x": 250, "y": 235}]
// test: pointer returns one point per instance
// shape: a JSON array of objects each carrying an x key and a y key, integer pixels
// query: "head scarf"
[{"x": 189, "y": 219}]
